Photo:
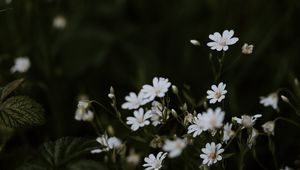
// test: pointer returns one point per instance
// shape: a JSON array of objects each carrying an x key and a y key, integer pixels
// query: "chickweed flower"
[
  {"x": 217, "y": 93},
  {"x": 174, "y": 147},
  {"x": 107, "y": 143},
  {"x": 270, "y": 100},
  {"x": 247, "y": 121},
  {"x": 59, "y": 22},
  {"x": 133, "y": 158},
  {"x": 211, "y": 153},
  {"x": 268, "y": 127},
  {"x": 227, "y": 132},
  {"x": 247, "y": 49},
  {"x": 158, "y": 89},
  {"x": 133, "y": 101},
  {"x": 22, "y": 64},
  {"x": 140, "y": 119},
  {"x": 154, "y": 163},
  {"x": 221, "y": 42},
  {"x": 213, "y": 119},
  {"x": 198, "y": 126},
  {"x": 286, "y": 168},
  {"x": 83, "y": 113}
]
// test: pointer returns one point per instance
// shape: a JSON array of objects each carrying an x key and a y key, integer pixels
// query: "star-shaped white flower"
[
  {"x": 174, "y": 147},
  {"x": 211, "y": 153},
  {"x": 217, "y": 93},
  {"x": 221, "y": 42},
  {"x": 159, "y": 88},
  {"x": 270, "y": 100},
  {"x": 133, "y": 101},
  {"x": 22, "y": 64},
  {"x": 213, "y": 119},
  {"x": 139, "y": 120},
  {"x": 198, "y": 126},
  {"x": 107, "y": 143},
  {"x": 154, "y": 163},
  {"x": 227, "y": 132},
  {"x": 247, "y": 121}
]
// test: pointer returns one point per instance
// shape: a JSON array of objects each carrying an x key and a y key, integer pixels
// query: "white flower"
[
  {"x": 159, "y": 89},
  {"x": 211, "y": 153},
  {"x": 174, "y": 147},
  {"x": 270, "y": 100},
  {"x": 139, "y": 120},
  {"x": 247, "y": 49},
  {"x": 195, "y": 42},
  {"x": 154, "y": 163},
  {"x": 22, "y": 64},
  {"x": 221, "y": 42},
  {"x": 286, "y": 168},
  {"x": 59, "y": 22},
  {"x": 217, "y": 93},
  {"x": 133, "y": 158},
  {"x": 8, "y": 1},
  {"x": 213, "y": 119},
  {"x": 227, "y": 132},
  {"x": 83, "y": 113},
  {"x": 268, "y": 127},
  {"x": 252, "y": 137},
  {"x": 198, "y": 126},
  {"x": 133, "y": 101},
  {"x": 247, "y": 121},
  {"x": 157, "y": 113},
  {"x": 107, "y": 144}
]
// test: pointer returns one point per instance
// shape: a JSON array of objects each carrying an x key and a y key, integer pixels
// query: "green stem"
[
  {"x": 288, "y": 120},
  {"x": 272, "y": 149}
]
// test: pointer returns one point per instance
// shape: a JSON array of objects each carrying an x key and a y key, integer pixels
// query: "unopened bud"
[
  {"x": 296, "y": 81},
  {"x": 195, "y": 42},
  {"x": 285, "y": 99},
  {"x": 174, "y": 89},
  {"x": 174, "y": 113},
  {"x": 247, "y": 49},
  {"x": 110, "y": 130},
  {"x": 184, "y": 107}
]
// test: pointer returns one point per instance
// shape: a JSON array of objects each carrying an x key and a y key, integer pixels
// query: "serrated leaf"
[
  {"x": 10, "y": 87},
  {"x": 60, "y": 154},
  {"x": 21, "y": 111}
]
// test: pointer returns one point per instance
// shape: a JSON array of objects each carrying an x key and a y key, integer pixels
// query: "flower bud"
[
  {"x": 247, "y": 49},
  {"x": 195, "y": 42}
]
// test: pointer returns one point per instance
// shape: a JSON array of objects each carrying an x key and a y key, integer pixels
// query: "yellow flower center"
[
  {"x": 218, "y": 94},
  {"x": 212, "y": 155}
]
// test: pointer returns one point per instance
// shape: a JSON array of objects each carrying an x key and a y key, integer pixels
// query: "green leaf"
[
  {"x": 61, "y": 154},
  {"x": 10, "y": 87},
  {"x": 21, "y": 111}
]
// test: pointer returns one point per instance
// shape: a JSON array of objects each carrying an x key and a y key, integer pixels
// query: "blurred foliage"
[{"x": 126, "y": 43}]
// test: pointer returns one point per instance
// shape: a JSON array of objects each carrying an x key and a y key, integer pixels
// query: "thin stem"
[
  {"x": 272, "y": 149},
  {"x": 256, "y": 159},
  {"x": 288, "y": 120},
  {"x": 235, "y": 134},
  {"x": 212, "y": 65}
]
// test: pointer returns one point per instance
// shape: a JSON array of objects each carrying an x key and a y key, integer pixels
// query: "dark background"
[{"x": 126, "y": 43}]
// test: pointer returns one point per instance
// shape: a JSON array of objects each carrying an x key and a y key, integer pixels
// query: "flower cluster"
[
  {"x": 147, "y": 94},
  {"x": 203, "y": 126}
]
